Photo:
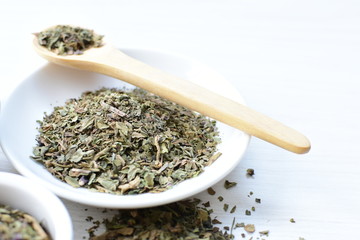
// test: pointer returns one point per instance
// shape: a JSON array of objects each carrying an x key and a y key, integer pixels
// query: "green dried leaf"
[
  {"x": 228, "y": 184},
  {"x": 226, "y": 207},
  {"x": 250, "y": 172},
  {"x": 133, "y": 170},
  {"x": 179, "y": 174},
  {"x": 211, "y": 191},
  {"x": 233, "y": 209},
  {"x": 216, "y": 221},
  {"x": 107, "y": 183},
  {"x": 72, "y": 181},
  {"x": 101, "y": 125},
  {"x": 149, "y": 179},
  {"x": 239, "y": 225},
  {"x": 77, "y": 156}
]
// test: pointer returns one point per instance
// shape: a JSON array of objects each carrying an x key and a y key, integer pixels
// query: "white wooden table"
[{"x": 296, "y": 61}]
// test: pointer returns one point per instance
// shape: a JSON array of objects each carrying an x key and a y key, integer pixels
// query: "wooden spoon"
[{"x": 112, "y": 62}]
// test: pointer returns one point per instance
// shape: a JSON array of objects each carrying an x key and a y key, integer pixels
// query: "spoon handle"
[{"x": 121, "y": 66}]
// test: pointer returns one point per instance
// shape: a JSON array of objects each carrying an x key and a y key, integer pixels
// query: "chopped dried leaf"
[
  {"x": 211, "y": 191},
  {"x": 239, "y": 225},
  {"x": 68, "y": 40},
  {"x": 250, "y": 172},
  {"x": 216, "y": 221},
  {"x": 16, "y": 224},
  {"x": 250, "y": 228},
  {"x": 180, "y": 220},
  {"x": 228, "y": 184},
  {"x": 226, "y": 207},
  {"x": 125, "y": 142},
  {"x": 206, "y": 204}
]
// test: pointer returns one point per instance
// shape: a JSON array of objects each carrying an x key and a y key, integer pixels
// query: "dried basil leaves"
[
  {"x": 125, "y": 142},
  {"x": 16, "y": 224},
  {"x": 68, "y": 40},
  {"x": 184, "y": 220}
]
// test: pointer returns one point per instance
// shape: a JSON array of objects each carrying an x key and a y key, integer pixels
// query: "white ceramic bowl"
[
  {"x": 52, "y": 85},
  {"x": 26, "y": 195}
]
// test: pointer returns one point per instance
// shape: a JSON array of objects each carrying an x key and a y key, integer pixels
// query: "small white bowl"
[
  {"x": 52, "y": 85},
  {"x": 21, "y": 193}
]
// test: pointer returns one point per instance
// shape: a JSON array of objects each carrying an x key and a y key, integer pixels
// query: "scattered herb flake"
[
  {"x": 250, "y": 228},
  {"x": 206, "y": 204},
  {"x": 211, "y": 191},
  {"x": 216, "y": 221},
  {"x": 239, "y": 225},
  {"x": 250, "y": 172},
  {"x": 179, "y": 220},
  {"x": 228, "y": 184}
]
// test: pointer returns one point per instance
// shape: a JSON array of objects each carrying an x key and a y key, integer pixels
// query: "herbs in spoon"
[{"x": 68, "y": 40}]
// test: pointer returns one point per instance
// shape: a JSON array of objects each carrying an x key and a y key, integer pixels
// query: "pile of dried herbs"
[
  {"x": 184, "y": 220},
  {"x": 125, "y": 142},
  {"x": 15, "y": 224},
  {"x": 68, "y": 40}
]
